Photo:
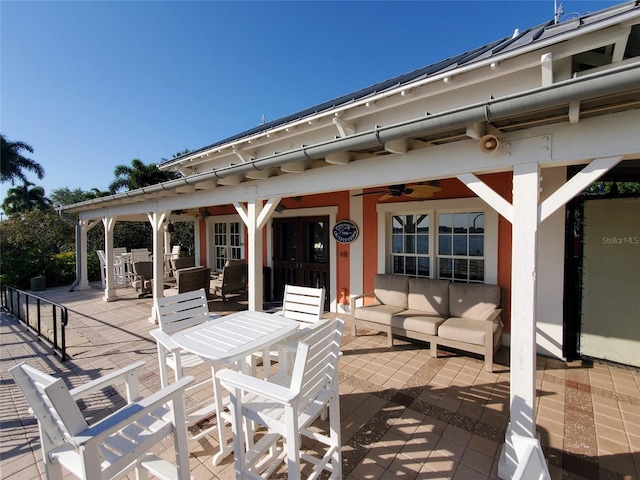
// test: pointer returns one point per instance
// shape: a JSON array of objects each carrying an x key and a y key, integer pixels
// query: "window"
[
  {"x": 227, "y": 242},
  {"x": 461, "y": 246},
  {"x": 456, "y": 240},
  {"x": 410, "y": 245}
]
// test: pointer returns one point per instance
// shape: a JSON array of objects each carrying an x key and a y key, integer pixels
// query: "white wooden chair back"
[
  {"x": 119, "y": 250},
  {"x": 140, "y": 255},
  {"x": 58, "y": 414},
  {"x": 304, "y": 304},
  {"x": 183, "y": 310},
  {"x": 175, "y": 251},
  {"x": 316, "y": 363},
  {"x": 103, "y": 267}
]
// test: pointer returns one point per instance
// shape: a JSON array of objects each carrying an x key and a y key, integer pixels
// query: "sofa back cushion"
[
  {"x": 391, "y": 289},
  {"x": 473, "y": 300},
  {"x": 429, "y": 296}
]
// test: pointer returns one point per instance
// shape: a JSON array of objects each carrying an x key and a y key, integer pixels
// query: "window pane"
[
  {"x": 410, "y": 266},
  {"x": 445, "y": 221},
  {"x": 476, "y": 245},
  {"x": 477, "y": 222},
  {"x": 460, "y": 245},
  {"x": 396, "y": 243},
  {"x": 423, "y": 244},
  {"x": 460, "y": 269},
  {"x": 476, "y": 270},
  {"x": 423, "y": 224},
  {"x": 410, "y": 244},
  {"x": 409, "y": 224},
  {"x": 445, "y": 268},
  {"x": 398, "y": 264},
  {"x": 460, "y": 222},
  {"x": 423, "y": 266},
  {"x": 397, "y": 224},
  {"x": 444, "y": 244}
]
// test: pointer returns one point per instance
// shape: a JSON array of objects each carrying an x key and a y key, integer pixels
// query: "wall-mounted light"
[
  {"x": 281, "y": 207},
  {"x": 170, "y": 228}
]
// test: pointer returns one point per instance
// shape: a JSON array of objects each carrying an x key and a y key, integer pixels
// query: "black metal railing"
[{"x": 44, "y": 318}]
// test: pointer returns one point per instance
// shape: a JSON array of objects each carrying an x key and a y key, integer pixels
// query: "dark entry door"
[{"x": 301, "y": 254}]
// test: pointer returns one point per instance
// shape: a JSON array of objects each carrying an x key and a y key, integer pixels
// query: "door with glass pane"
[
  {"x": 227, "y": 243},
  {"x": 301, "y": 254}
]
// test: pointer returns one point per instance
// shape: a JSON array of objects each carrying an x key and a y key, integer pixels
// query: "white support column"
[
  {"x": 254, "y": 254},
  {"x": 196, "y": 242},
  {"x": 157, "y": 220},
  {"x": 85, "y": 226},
  {"x": 526, "y": 187},
  {"x": 110, "y": 289}
]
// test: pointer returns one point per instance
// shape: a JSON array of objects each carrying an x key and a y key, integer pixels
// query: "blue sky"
[{"x": 91, "y": 85}]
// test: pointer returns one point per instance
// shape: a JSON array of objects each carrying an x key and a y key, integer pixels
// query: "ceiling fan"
[{"x": 414, "y": 191}]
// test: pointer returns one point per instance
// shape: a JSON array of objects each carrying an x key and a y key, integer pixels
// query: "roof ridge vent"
[{"x": 516, "y": 32}]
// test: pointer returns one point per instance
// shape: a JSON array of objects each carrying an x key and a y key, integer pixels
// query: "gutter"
[
  {"x": 615, "y": 80},
  {"x": 78, "y": 233}
]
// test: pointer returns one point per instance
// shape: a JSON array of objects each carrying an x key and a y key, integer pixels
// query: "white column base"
[
  {"x": 110, "y": 296},
  {"x": 521, "y": 458}
]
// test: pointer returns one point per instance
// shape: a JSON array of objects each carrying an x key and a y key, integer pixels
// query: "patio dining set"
[{"x": 273, "y": 381}]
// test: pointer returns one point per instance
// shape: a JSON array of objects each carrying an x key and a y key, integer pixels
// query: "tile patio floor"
[{"x": 404, "y": 414}]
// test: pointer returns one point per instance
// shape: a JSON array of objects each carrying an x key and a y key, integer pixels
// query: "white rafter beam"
[
  {"x": 340, "y": 158},
  {"x": 260, "y": 174},
  {"x": 399, "y": 146},
  {"x": 231, "y": 180},
  {"x": 344, "y": 128},
  {"x": 296, "y": 167},
  {"x": 243, "y": 156},
  {"x": 186, "y": 189},
  {"x": 486, "y": 193},
  {"x": 207, "y": 185}
]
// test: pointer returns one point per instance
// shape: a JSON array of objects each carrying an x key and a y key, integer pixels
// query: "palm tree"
[
  {"x": 138, "y": 175},
  {"x": 23, "y": 199},
  {"x": 12, "y": 162}
]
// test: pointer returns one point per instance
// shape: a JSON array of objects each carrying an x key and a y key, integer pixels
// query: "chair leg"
[{"x": 292, "y": 443}]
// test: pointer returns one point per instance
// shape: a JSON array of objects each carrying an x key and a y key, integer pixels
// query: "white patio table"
[{"x": 228, "y": 340}]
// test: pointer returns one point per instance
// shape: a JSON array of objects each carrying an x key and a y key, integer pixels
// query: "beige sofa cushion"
[
  {"x": 391, "y": 289},
  {"x": 429, "y": 296},
  {"x": 377, "y": 313},
  {"x": 467, "y": 330},
  {"x": 417, "y": 321},
  {"x": 475, "y": 301}
]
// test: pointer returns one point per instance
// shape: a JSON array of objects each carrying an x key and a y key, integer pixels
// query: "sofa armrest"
[{"x": 354, "y": 299}]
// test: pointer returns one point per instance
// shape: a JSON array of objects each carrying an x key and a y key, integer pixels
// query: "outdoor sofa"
[{"x": 464, "y": 316}]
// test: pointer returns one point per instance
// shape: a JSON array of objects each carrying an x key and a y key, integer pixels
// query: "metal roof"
[{"x": 526, "y": 38}]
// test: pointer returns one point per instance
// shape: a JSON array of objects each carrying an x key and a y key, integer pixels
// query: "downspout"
[{"x": 70, "y": 221}]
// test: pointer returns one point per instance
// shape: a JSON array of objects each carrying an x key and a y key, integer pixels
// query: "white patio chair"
[
  {"x": 175, "y": 313},
  {"x": 305, "y": 305},
  {"x": 287, "y": 405},
  {"x": 112, "y": 447},
  {"x": 103, "y": 267},
  {"x": 140, "y": 255}
]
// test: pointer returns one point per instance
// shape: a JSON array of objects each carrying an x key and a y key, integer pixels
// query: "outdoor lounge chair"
[
  {"x": 232, "y": 280},
  {"x": 143, "y": 272},
  {"x": 191, "y": 279}
]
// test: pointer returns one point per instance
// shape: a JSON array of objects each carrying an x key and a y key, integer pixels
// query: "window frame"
[{"x": 386, "y": 212}]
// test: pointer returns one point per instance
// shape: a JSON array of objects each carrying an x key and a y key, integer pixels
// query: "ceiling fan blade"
[
  {"x": 387, "y": 197},
  {"x": 422, "y": 191},
  {"x": 377, "y": 192}
]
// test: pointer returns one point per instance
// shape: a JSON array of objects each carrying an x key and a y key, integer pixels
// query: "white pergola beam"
[
  {"x": 577, "y": 184},
  {"x": 260, "y": 174},
  {"x": 344, "y": 128},
  {"x": 296, "y": 167},
  {"x": 340, "y": 158},
  {"x": 399, "y": 146},
  {"x": 486, "y": 193}
]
